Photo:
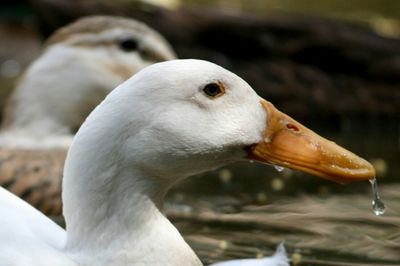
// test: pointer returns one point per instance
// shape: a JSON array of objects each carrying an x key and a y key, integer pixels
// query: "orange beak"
[{"x": 288, "y": 143}]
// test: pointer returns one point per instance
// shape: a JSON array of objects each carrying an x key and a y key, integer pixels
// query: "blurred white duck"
[
  {"x": 171, "y": 120},
  {"x": 80, "y": 65}
]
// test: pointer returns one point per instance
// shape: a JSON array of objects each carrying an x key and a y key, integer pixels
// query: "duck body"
[
  {"x": 170, "y": 121},
  {"x": 59, "y": 109},
  {"x": 36, "y": 240},
  {"x": 80, "y": 65},
  {"x": 22, "y": 226}
]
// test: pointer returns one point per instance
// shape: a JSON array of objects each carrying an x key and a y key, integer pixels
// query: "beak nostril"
[{"x": 292, "y": 127}]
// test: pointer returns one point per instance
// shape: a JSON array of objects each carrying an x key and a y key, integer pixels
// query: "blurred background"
[{"x": 332, "y": 65}]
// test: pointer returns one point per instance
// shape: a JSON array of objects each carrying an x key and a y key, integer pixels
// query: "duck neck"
[{"x": 115, "y": 217}]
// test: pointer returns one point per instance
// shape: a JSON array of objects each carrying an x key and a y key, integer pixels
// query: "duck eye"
[
  {"x": 213, "y": 90},
  {"x": 128, "y": 45}
]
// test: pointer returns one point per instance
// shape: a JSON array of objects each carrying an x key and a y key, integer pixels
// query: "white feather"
[
  {"x": 278, "y": 259},
  {"x": 153, "y": 130}
]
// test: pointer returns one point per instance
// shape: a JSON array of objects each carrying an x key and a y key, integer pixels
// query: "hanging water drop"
[
  {"x": 279, "y": 168},
  {"x": 378, "y": 206}
]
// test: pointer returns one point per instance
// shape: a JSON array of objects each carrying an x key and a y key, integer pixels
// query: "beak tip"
[
  {"x": 292, "y": 145},
  {"x": 363, "y": 171}
]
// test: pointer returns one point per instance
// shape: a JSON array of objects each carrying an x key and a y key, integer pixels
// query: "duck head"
[{"x": 183, "y": 117}]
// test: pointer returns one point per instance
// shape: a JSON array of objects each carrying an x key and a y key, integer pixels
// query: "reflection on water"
[{"x": 330, "y": 230}]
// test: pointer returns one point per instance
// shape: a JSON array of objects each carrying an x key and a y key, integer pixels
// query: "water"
[
  {"x": 378, "y": 206},
  {"x": 343, "y": 218}
]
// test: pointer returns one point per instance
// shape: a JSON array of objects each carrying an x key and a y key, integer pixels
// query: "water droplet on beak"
[
  {"x": 279, "y": 168},
  {"x": 378, "y": 206}
]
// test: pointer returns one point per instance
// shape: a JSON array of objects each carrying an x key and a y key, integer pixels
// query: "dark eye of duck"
[
  {"x": 213, "y": 90},
  {"x": 128, "y": 45}
]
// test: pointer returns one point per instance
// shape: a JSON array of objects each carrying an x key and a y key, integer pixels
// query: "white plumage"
[
  {"x": 81, "y": 63},
  {"x": 155, "y": 129}
]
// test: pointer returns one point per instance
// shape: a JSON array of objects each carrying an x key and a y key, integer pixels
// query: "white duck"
[
  {"x": 81, "y": 63},
  {"x": 169, "y": 121}
]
